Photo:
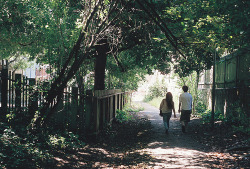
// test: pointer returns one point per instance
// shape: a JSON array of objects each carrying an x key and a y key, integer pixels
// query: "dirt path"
[
  {"x": 142, "y": 143},
  {"x": 175, "y": 149}
]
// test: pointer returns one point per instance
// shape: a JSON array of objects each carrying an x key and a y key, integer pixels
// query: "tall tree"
[{"x": 138, "y": 34}]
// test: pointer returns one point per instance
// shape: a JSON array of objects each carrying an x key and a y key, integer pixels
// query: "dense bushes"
[
  {"x": 21, "y": 149},
  {"x": 235, "y": 117},
  {"x": 206, "y": 116}
]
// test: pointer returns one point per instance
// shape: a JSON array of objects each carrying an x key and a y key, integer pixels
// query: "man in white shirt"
[{"x": 185, "y": 108}]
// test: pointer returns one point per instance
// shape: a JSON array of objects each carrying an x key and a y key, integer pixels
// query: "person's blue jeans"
[{"x": 166, "y": 118}]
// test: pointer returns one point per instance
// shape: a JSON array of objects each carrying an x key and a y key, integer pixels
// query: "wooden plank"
[
  {"x": 18, "y": 92},
  {"x": 4, "y": 90}
]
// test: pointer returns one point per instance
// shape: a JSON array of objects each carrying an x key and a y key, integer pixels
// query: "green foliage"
[
  {"x": 125, "y": 114},
  {"x": 126, "y": 81},
  {"x": 64, "y": 141},
  {"x": 189, "y": 81},
  {"x": 237, "y": 117},
  {"x": 18, "y": 149},
  {"x": 200, "y": 107},
  {"x": 242, "y": 129},
  {"x": 206, "y": 116},
  {"x": 155, "y": 91},
  {"x": 206, "y": 25},
  {"x": 10, "y": 117},
  {"x": 122, "y": 116},
  {"x": 133, "y": 108},
  {"x": 17, "y": 152}
]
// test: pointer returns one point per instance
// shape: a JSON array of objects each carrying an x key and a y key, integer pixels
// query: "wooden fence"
[
  {"x": 87, "y": 114},
  {"x": 17, "y": 92},
  {"x": 232, "y": 80},
  {"x": 101, "y": 106}
]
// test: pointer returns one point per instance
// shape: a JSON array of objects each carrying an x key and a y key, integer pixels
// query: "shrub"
[
  {"x": 122, "y": 115},
  {"x": 125, "y": 114},
  {"x": 206, "y": 116},
  {"x": 64, "y": 140},
  {"x": 157, "y": 90},
  {"x": 200, "y": 107},
  {"x": 19, "y": 149},
  {"x": 237, "y": 117}
]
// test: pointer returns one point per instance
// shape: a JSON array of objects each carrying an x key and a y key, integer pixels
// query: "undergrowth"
[
  {"x": 125, "y": 114},
  {"x": 235, "y": 117},
  {"x": 22, "y": 149}
]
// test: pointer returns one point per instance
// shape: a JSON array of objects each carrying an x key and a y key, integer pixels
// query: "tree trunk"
[{"x": 100, "y": 64}]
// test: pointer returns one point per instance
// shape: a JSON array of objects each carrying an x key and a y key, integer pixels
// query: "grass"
[{"x": 156, "y": 102}]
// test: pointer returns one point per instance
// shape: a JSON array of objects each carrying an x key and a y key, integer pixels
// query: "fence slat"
[
  {"x": 18, "y": 92},
  {"x": 4, "y": 89},
  {"x": 101, "y": 107}
]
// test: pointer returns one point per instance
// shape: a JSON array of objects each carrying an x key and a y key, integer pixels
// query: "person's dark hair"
[
  {"x": 185, "y": 88},
  {"x": 169, "y": 99}
]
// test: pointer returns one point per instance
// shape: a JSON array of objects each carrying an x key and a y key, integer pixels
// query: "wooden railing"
[{"x": 101, "y": 106}]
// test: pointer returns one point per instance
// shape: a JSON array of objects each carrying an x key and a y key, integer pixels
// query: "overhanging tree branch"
[
  {"x": 156, "y": 18},
  {"x": 59, "y": 84}
]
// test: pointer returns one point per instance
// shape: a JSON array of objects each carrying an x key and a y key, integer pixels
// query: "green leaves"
[
  {"x": 47, "y": 30},
  {"x": 205, "y": 25}
]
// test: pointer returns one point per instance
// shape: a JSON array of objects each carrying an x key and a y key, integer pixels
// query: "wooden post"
[
  {"x": 89, "y": 110},
  {"x": 18, "y": 92},
  {"x": 96, "y": 115},
  {"x": 101, "y": 111},
  {"x": 107, "y": 110},
  {"x": 45, "y": 91},
  {"x": 118, "y": 101},
  {"x": 114, "y": 105},
  {"x": 122, "y": 100},
  {"x": 111, "y": 112},
  {"x": 74, "y": 104},
  {"x": 33, "y": 97},
  {"x": 4, "y": 91},
  {"x": 81, "y": 112},
  {"x": 213, "y": 93}
]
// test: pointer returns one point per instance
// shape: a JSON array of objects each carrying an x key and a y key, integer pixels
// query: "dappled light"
[
  {"x": 114, "y": 84},
  {"x": 142, "y": 143},
  {"x": 177, "y": 157}
]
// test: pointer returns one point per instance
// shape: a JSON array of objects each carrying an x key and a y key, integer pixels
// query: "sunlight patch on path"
[
  {"x": 175, "y": 157},
  {"x": 174, "y": 150}
]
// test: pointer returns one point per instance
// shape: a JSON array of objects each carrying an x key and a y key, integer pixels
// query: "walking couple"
[{"x": 185, "y": 108}]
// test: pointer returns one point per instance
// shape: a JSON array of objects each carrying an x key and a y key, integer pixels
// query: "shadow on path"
[
  {"x": 175, "y": 149},
  {"x": 139, "y": 143}
]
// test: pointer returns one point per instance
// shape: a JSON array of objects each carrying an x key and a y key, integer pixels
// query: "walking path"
[
  {"x": 142, "y": 143},
  {"x": 175, "y": 149}
]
